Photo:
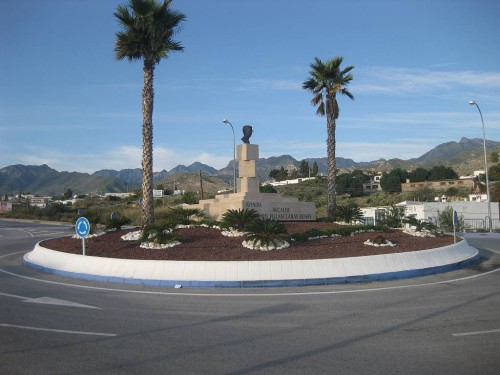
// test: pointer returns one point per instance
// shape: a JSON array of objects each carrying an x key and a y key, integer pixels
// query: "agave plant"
[
  {"x": 240, "y": 219},
  {"x": 349, "y": 213},
  {"x": 265, "y": 232}
]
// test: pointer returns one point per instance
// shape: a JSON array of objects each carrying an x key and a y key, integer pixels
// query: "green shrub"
[
  {"x": 180, "y": 215},
  {"x": 190, "y": 197},
  {"x": 420, "y": 225},
  {"x": 266, "y": 232},
  {"x": 394, "y": 217},
  {"x": 239, "y": 219},
  {"x": 267, "y": 189},
  {"x": 117, "y": 223},
  {"x": 159, "y": 233},
  {"x": 342, "y": 231},
  {"x": 349, "y": 213}
]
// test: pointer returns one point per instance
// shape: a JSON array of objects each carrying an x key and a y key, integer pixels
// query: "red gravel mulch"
[{"x": 209, "y": 244}]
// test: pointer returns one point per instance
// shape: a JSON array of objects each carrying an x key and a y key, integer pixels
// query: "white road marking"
[
  {"x": 476, "y": 333},
  {"x": 49, "y": 301},
  {"x": 59, "y": 330}
]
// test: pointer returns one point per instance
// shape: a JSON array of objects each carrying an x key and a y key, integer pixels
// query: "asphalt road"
[{"x": 444, "y": 324}]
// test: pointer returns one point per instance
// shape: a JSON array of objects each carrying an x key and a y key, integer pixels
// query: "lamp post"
[
  {"x": 226, "y": 121},
  {"x": 472, "y": 102}
]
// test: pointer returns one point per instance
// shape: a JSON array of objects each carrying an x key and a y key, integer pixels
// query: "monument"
[{"x": 269, "y": 205}]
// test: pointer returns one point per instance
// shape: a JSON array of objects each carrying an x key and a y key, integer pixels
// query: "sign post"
[
  {"x": 82, "y": 229},
  {"x": 455, "y": 226}
]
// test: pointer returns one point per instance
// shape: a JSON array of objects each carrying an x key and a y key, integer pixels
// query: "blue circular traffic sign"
[{"x": 82, "y": 227}]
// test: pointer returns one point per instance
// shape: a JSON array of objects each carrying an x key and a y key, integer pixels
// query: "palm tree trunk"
[
  {"x": 332, "y": 167},
  {"x": 147, "y": 210}
]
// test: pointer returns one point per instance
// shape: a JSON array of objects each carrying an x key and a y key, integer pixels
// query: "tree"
[
  {"x": 314, "y": 172},
  {"x": 440, "y": 172},
  {"x": 67, "y": 194},
  {"x": 494, "y": 173},
  {"x": 147, "y": 31},
  {"x": 326, "y": 80},
  {"x": 304, "y": 169},
  {"x": 391, "y": 181},
  {"x": 419, "y": 175},
  {"x": 278, "y": 174},
  {"x": 494, "y": 156}
]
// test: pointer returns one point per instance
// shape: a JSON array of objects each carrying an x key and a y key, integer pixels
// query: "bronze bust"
[{"x": 247, "y": 133}]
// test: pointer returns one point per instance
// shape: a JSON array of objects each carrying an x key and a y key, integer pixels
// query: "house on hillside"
[
  {"x": 372, "y": 185},
  {"x": 42, "y": 202}
]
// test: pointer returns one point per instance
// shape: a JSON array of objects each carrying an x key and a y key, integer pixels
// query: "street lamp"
[
  {"x": 472, "y": 102},
  {"x": 226, "y": 121}
]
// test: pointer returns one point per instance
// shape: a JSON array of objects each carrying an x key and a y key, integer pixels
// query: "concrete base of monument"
[{"x": 268, "y": 205}]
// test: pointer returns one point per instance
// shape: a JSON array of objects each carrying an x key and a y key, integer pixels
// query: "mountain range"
[{"x": 464, "y": 156}]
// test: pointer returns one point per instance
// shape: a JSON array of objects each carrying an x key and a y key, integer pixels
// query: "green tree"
[
  {"x": 494, "y": 173},
  {"x": 494, "y": 156},
  {"x": 419, "y": 175},
  {"x": 67, "y": 194},
  {"x": 326, "y": 80},
  {"x": 440, "y": 172},
  {"x": 304, "y": 169},
  {"x": 147, "y": 30},
  {"x": 278, "y": 174},
  {"x": 314, "y": 172},
  {"x": 391, "y": 181}
]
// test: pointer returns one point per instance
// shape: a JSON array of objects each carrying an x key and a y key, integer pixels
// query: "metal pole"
[
  {"x": 488, "y": 197},
  {"x": 226, "y": 121}
]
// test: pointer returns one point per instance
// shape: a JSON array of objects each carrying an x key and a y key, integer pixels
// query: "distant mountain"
[
  {"x": 44, "y": 180},
  {"x": 464, "y": 157},
  {"x": 130, "y": 177},
  {"x": 449, "y": 150},
  {"x": 195, "y": 167}
]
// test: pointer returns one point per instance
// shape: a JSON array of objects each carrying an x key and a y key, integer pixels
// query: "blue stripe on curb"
[{"x": 265, "y": 283}]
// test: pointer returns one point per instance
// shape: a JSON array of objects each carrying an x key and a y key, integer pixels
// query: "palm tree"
[
  {"x": 325, "y": 82},
  {"x": 146, "y": 34}
]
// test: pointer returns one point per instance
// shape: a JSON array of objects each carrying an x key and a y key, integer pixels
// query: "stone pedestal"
[
  {"x": 269, "y": 205},
  {"x": 247, "y": 155}
]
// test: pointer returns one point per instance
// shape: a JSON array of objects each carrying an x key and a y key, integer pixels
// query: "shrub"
[
  {"x": 189, "y": 197},
  {"x": 117, "y": 223},
  {"x": 180, "y": 215},
  {"x": 239, "y": 219},
  {"x": 349, "y": 213},
  {"x": 94, "y": 218},
  {"x": 420, "y": 225},
  {"x": 267, "y": 189},
  {"x": 343, "y": 231},
  {"x": 159, "y": 233},
  {"x": 394, "y": 217},
  {"x": 266, "y": 232}
]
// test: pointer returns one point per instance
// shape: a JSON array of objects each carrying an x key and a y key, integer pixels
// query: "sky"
[{"x": 65, "y": 101}]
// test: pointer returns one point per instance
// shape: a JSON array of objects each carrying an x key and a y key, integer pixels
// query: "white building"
[
  {"x": 429, "y": 211},
  {"x": 373, "y": 184}
]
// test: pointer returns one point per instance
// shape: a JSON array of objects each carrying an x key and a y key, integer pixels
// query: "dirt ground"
[{"x": 200, "y": 243}]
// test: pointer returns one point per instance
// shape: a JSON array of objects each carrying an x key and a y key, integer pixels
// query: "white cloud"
[
  {"x": 399, "y": 81},
  {"x": 270, "y": 84}
]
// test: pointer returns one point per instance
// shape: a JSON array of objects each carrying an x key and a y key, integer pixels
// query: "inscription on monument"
[{"x": 253, "y": 204}]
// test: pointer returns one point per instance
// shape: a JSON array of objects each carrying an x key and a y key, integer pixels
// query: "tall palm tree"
[
  {"x": 326, "y": 80},
  {"x": 147, "y": 31}
]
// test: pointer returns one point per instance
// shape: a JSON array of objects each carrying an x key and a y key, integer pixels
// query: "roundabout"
[{"x": 263, "y": 273}]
